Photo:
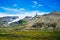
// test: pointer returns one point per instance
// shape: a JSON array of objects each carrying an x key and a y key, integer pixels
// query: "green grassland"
[{"x": 6, "y": 34}]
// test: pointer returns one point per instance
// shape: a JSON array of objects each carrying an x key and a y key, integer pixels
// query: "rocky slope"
[{"x": 46, "y": 21}]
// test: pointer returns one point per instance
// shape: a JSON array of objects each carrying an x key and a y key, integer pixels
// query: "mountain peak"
[{"x": 54, "y": 13}]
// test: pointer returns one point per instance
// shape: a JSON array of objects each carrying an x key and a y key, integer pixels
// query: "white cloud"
[
  {"x": 22, "y": 9},
  {"x": 21, "y": 14},
  {"x": 12, "y": 10},
  {"x": 14, "y": 5},
  {"x": 40, "y": 5},
  {"x": 9, "y": 9},
  {"x": 35, "y": 2},
  {"x": 2, "y": 14},
  {"x": 31, "y": 13}
]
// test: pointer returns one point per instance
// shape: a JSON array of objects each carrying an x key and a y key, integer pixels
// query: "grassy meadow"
[{"x": 6, "y": 34}]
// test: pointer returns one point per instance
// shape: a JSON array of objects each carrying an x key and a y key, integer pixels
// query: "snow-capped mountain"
[
  {"x": 5, "y": 20},
  {"x": 12, "y": 20}
]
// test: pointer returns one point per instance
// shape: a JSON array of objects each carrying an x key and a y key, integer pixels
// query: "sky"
[{"x": 24, "y": 8}]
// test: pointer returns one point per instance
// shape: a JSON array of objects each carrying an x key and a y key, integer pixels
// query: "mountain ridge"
[{"x": 44, "y": 21}]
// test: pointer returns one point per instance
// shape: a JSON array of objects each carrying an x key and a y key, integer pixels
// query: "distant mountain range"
[
  {"x": 46, "y": 21},
  {"x": 12, "y": 20},
  {"x": 19, "y": 22},
  {"x": 5, "y": 20}
]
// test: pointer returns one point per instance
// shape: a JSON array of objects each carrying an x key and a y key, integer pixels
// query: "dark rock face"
[{"x": 45, "y": 25}]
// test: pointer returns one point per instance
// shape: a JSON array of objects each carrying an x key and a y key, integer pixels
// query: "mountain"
[
  {"x": 4, "y": 20},
  {"x": 21, "y": 21},
  {"x": 27, "y": 18},
  {"x": 46, "y": 21},
  {"x": 17, "y": 23}
]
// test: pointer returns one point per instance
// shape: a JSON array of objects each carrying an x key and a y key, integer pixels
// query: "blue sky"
[{"x": 28, "y": 7}]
